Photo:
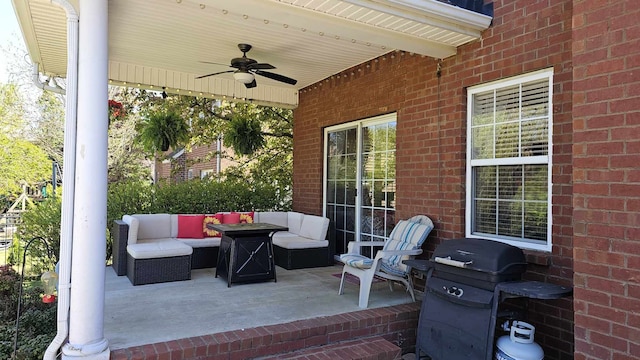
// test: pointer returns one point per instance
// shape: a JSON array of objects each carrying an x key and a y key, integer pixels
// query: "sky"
[{"x": 9, "y": 29}]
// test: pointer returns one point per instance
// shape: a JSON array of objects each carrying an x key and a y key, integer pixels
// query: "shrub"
[
  {"x": 37, "y": 320},
  {"x": 189, "y": 197},
  {"x": 42, "y": 220}
]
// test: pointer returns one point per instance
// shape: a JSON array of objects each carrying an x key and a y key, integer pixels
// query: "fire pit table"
[{"x": 246, "y": 252}]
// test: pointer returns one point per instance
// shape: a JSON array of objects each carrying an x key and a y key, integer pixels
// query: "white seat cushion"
[
  {"x": 283, "y": 235},
  {"x": 298, "y": 242},
  {"x": 158, "y": 249},
  {"x": 357, "y": 261}
]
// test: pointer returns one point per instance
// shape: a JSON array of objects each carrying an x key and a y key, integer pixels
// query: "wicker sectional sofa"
[{"x": 151, "y": 248}]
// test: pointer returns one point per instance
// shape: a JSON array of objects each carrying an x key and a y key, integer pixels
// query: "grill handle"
[{"x": 449, "y": 261}]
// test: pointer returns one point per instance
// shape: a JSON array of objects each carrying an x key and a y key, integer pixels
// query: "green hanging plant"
[
  {"x": 244, "y": 135},
  {"x": 163, "y": 129}
]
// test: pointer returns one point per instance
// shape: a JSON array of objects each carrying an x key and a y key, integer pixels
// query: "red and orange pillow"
[
  {"x": 246, "y": 218},
  {"x": 211, "y": 219},
  {"x": 195, "y": 226}
]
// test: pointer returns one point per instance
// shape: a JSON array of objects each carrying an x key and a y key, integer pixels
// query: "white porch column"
[{"x": 86, "y": 315}]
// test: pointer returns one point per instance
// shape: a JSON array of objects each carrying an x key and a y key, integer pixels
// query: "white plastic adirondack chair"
[{"x": 405, "y": 242}]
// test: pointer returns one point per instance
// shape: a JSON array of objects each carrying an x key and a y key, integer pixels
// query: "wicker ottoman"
[{"x": 158, "y": 261}]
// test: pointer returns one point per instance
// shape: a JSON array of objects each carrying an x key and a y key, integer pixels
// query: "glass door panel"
[
  {"x": 360, "y": 181},
  {"x": 378, "y": 188},
  {"x": 341, "y": 184}
]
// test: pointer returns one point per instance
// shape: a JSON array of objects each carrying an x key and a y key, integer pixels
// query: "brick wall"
[
  {"x": 606, "y": 173},
  {"x": 431, "y": 134},
  {"x": 198, "y": 159},
  {"x": 202, "y": 158}
]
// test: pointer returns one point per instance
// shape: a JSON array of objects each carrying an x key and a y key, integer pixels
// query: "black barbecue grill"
[
  {"x": 456, "y": 319},
  {"x": 466, "y": 280}
]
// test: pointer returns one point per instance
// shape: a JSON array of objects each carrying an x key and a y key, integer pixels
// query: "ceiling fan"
[{"x": 247, "y": 67}]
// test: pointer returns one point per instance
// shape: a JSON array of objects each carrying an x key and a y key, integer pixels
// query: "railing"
[{"x": 8, "y": 224}]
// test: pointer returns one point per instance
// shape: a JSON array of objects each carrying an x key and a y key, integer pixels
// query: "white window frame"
[
  {"x": 545, "y": 159},
  {"x": 205, "y": 173}
]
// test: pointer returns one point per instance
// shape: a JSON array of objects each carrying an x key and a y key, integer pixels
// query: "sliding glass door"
[{"x": 359, "y": 186}]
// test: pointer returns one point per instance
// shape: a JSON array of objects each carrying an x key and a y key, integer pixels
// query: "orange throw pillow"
[{"x": 190, "y": 226}]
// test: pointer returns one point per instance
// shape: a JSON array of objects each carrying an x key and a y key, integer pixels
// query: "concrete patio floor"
[{"x": 145, "y": 314}]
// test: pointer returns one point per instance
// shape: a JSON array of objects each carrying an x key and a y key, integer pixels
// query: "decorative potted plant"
[{"x": 162, "y": 129}]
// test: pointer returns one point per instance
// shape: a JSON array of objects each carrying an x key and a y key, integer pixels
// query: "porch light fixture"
[{"x": 244, "y": 77}]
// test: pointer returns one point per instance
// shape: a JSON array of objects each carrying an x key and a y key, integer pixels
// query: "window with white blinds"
[{"x": 509, "y": 161}]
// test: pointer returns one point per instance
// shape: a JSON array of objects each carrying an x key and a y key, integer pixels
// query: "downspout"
[
  {"x": 43, "y": 85},
  {"x": 66, "y": 227},
  {"x": 218, "y": 156}
]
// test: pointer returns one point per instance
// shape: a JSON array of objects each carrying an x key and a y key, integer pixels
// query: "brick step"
[
  {"x": 374, "y": 348},
  {"x": 341, "y": 336}
]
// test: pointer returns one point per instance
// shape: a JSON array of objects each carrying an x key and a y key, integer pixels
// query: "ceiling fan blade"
[
  {"x": 260, "y": 66},
  {"x": 216, "y": 73},
  {"x": 276, "y": 77},
  {"x": 251, "y": 84},
  {"x": 214, "y": 63}
]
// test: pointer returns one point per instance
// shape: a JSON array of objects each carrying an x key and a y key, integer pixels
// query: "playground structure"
[{"x": 10, "y": 218}]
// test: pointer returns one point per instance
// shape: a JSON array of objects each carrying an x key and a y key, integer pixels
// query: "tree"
[
  {"x": 272, "y": 161},
  {"x": 21, "y": 161},
  {"x": 11, "y": 111},
  {"x": 261, "y": 137},
  {"x": 49, "y": 130},
  {"x": 126, "y": 156}
]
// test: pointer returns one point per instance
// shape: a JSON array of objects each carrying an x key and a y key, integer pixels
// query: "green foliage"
[
  {"x": 191, "y": 197},
  {"x": 42, "y": 220},
  {"x": 37, "y": 320},
  {"x": 161, "y": 129},
  {"x": 20, "y": 160},
  {"x": 11, "y": 111},
  {"x": 244, "y": 135},
  {"x": 261, "y": 136},
  {"x": 128, "y": 198},
  {"x": 271, "y": 160},
  {"x": 49, "y": 133},
  {"x": 126, "y": 160},
  {"x": 9, "y": 287}
]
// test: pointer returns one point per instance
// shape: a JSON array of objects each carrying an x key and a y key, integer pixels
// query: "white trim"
[
  {"x": 547, "y": 159},
  {"x": 178, "y": 154},
  {"x": 358, "y": 125},
  {"x": 68, "y": 179},
  {"x": 431, "y": 12},
  {"x": 206, "y": 173}
]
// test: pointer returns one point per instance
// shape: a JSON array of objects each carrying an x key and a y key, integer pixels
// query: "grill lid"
[{"x": 481, "y": 255}]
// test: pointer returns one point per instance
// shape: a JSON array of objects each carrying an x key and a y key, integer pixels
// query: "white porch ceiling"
[{"x": 162, "y": 43}]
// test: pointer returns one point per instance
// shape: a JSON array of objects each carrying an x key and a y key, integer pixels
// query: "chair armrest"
[
  {"x": 357, "y": 244},
  {"x": 382, "y": 253},
  {"x": 120, "y": 233}
]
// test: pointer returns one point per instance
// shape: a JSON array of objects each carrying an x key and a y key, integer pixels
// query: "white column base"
[{"x": 98, "y": 350}]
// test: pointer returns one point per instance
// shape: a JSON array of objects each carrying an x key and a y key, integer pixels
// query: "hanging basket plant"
[
  {"x": 163, "y": 129},
  {"x": 244, "y": 135}
]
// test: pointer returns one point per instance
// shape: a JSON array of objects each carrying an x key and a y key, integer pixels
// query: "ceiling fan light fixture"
[{"x": 243, "y": 76}]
